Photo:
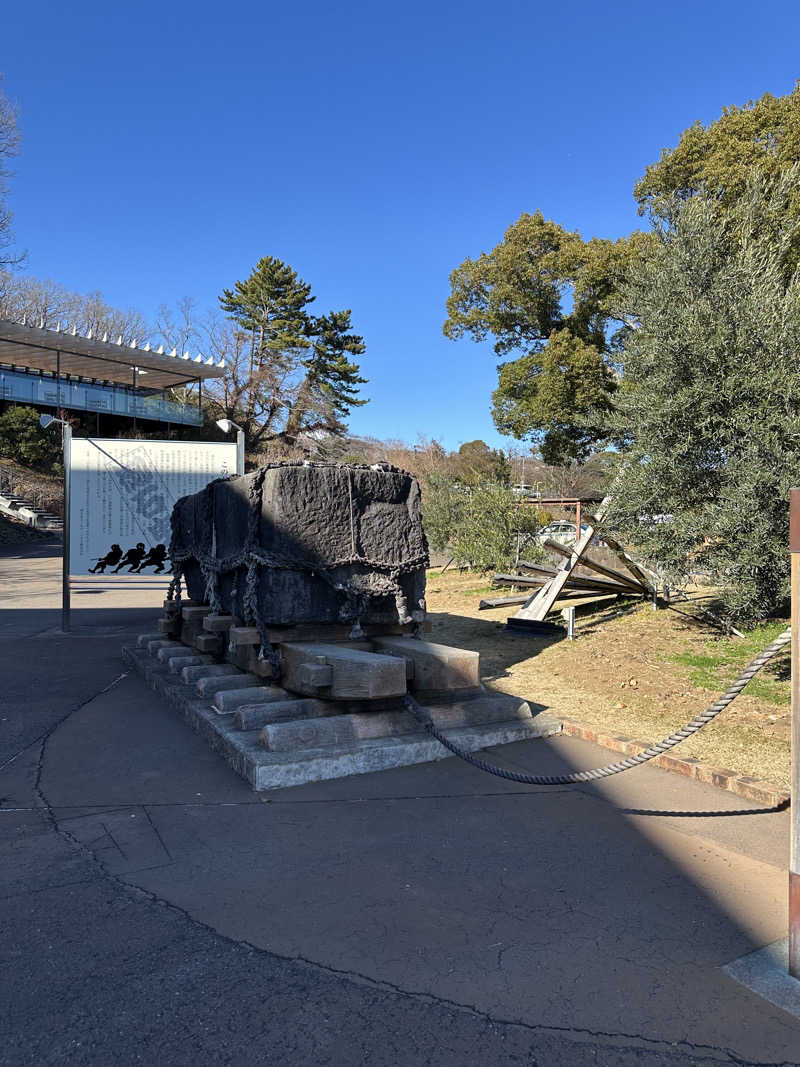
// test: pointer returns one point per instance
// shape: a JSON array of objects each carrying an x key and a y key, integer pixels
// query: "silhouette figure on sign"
[
  {"x": 133, "y": 557},
  {"x": 108, "y": 560},
  {"x": 156, "y": 557}
]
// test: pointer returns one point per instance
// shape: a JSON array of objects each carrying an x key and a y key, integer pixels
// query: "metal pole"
[
  {"x": 794, "y": 855},
  {"x": 65, "y": 605},
  {"x": 133, "y": 399},
  {"x": 240, "y": 451}
]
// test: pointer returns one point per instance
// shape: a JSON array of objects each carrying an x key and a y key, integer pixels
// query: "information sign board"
[{"x": 121, "y": 497}]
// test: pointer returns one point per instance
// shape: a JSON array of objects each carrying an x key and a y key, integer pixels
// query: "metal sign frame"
[{"x": 148, "y": 581}]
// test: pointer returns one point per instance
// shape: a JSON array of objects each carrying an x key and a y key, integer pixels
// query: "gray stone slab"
[
  {"x": 226, "y": 700},
  {"x": 766, "y": 972},
  {"x": 159, "y": 642},
  {"x": 177, "y": 663},
  {"x": 143, "y": 640},
  {"x": 275, "y": 770},
  {"x": 207, "y": 687},
  {"x": 190, "y": 675},
  {"x": 168, "y": 650}
]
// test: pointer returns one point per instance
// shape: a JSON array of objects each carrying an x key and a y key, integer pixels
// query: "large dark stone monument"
[
  {"x": 298, "y": 655},
  {"x": 297, "y": 543}
]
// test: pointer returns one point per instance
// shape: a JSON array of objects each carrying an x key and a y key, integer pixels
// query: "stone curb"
[{"x": 742, "y": 785}]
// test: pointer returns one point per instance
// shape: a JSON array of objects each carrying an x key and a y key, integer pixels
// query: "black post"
[
  {"x": 66, "y": 438},
  {"x": 134, "y": 399}
]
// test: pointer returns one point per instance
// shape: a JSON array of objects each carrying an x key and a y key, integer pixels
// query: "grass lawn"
[{"x": 631, "y": 670}]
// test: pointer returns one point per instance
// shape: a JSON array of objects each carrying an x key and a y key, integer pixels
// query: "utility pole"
[{"x": 794, "y": 856}]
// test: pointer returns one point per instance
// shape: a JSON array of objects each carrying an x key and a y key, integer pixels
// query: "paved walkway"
[{"x": 157, "y": 911}]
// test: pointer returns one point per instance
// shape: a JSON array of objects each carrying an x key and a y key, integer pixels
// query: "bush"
[
  {"x": 24, "y": 440},
  {"x": 480, "y": 526},
  {"x": 443, "y": 502}
]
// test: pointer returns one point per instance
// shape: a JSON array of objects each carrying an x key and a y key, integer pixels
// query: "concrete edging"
[{"x": 741, "y": 785}]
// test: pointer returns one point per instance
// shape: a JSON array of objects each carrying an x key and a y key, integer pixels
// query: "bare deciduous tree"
[
  {"x": 9, "y": 147},
  {"x": 41, "y": 301}
]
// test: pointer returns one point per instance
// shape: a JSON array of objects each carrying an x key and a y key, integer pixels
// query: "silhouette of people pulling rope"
[
  {"x": 156, "y": 557},
  {"x": 108, "y": 560},
  {"x": 135, "y": 559}
]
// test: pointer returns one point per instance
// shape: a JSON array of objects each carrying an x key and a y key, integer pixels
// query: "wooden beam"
[
  {"x": 609, "y": 572},
  {"x": 436, "y": 667},
  {"x": 572, "y": 582},
  {"x": 648, "y": 578},
  {"x": 540, "y": 603},
  {"x": 353, "y": 675}
]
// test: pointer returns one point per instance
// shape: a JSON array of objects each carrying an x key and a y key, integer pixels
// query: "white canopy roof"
[{"x": 40, "y": 348}]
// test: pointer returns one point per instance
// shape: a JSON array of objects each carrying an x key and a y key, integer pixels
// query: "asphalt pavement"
[{"x": 157, "y": 911}]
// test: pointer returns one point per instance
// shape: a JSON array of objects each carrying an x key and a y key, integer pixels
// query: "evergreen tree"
[
  {"x": 270, "y": 304},
  {"x": 330, "y": 387},
  {"x": 709, "y": 410},
  {"x": 298, "y": 375}
]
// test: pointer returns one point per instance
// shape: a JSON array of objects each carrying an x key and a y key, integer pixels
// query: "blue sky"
[{"x": 167, "y": 147}]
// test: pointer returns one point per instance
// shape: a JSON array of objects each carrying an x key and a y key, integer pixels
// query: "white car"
[{"x": 563, "y": 532}]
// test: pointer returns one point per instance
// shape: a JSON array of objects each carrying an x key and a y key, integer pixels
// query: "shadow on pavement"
[{"x": 425, "y": 914}]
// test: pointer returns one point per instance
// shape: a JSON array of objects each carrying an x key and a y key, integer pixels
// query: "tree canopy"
[
  {"x": 516, "y": 293},
  {"x": 553, "y": 302},
  {"x": 765, "y": 133},
  {"x": 710, "y": 408}
]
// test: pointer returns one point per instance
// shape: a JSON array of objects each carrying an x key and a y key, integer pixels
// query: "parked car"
[{"x": 564, "y": 532}]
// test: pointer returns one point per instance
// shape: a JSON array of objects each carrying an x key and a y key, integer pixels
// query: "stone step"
[
  {"x": 186, "y": 659},
  {"x": 256, "y": 716},
  {"x": 143, "y": 640},
  {"x": 368, "y": 725},
  {"x": 168, "y": 650},
  {"x": 228, "y": 700},
  {"x": 190, "y": 675},
  {"x": 276, "y": 770},
  {"x": 160, "y": 642},
  {"x": 207, "y": 687}
]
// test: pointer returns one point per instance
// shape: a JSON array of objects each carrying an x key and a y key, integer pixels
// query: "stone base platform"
[{"x": 321, "y": 742}]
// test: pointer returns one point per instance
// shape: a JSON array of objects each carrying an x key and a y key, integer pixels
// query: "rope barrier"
[{"x": 690, "y": 728}]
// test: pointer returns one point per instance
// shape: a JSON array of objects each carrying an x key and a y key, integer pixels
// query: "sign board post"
[
  {"x": 794, "y": 856},
  {"x": 66, "y": 440},
  {"x": 240, "y": 451},
  {"x": 118, "y": 501}
]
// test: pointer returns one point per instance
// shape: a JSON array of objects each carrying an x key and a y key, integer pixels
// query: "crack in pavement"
[
  {"x": 44, "y": 737},
  {"x": 581, "y": 1033},
  {"x": 123, "y": 805}
]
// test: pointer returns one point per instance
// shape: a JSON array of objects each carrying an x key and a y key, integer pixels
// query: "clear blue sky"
[{"x": 168, "y": 146}]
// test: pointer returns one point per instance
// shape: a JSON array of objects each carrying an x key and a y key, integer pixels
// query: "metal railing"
[{"x": 80, "y": 395}]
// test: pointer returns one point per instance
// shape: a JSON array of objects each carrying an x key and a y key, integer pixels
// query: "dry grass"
[{"x": 643, "y": 673}]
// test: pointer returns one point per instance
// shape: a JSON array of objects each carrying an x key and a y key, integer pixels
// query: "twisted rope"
[{"x": 690, "y": 728}]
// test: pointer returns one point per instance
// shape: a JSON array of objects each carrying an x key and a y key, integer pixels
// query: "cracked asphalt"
[{"x": 156, "y": 911}]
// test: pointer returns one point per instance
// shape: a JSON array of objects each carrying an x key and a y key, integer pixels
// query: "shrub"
[{"x": 24, "y": 440}]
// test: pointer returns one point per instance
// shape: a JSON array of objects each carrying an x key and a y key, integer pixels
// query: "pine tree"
[
  {"x": 330, "y": 387},
  {"x": 300, "y": 375}
]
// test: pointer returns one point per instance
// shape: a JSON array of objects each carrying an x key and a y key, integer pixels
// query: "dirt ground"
[{"x": 631, "y": 670}]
